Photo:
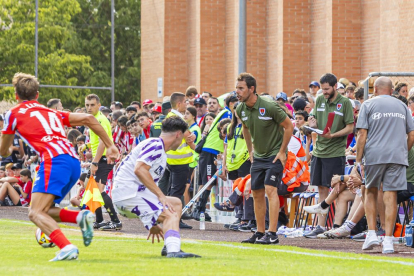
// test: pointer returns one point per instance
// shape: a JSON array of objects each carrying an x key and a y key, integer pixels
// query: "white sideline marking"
[
  {"x": 246, "y": 248},
  {"x": 315, "y": 254}
]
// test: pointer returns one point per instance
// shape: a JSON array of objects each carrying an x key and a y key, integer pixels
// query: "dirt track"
[{"x": 216, "y": 232}]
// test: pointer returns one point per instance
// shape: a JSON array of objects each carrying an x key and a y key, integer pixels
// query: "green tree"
[
  {"x": 93, "y": 26},
  {"x": 74, "y": 47},
  {"x": 56, "y": 64}
]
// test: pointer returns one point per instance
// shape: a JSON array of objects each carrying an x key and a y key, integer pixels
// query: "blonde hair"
[{"x": 26, "y": 86}]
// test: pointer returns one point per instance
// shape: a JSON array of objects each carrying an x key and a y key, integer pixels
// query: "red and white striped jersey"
[{"x": 41, "y": 128}]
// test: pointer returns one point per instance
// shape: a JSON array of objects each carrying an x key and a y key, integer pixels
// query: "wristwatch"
[
  {"x": 95, "y": 164},
  {"x": 342, "y": 178}
]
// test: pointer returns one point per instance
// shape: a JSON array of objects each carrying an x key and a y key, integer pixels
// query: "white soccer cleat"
[
  {"x": 316, "y": 209},
  {"x": 370, "y": 242},
  {"x": 66, "y": 254}
]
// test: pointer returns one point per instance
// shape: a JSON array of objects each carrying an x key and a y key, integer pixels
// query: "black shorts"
[
  {"x": 242, "y": 171},
  {"x": 322, "y": 170},
  {"x": 206, "y": 166},
  {"x": 406, "y": 194},
  {"x": 265, "y": 172},
  {"x": 103, "y": 170},
  {"x": 190, "y": 173},
  {"x": 178, "y": 179}
]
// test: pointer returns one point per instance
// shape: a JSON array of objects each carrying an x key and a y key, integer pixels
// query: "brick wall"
[
  {"x": 152, "y": 47},
  {"x": 289, "y": 42}
]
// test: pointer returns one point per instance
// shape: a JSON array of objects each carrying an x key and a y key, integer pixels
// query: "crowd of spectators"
[{"x": 219, "y": 128}]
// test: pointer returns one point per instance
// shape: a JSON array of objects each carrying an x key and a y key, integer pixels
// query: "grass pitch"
[{"x": 119, "y": 254}]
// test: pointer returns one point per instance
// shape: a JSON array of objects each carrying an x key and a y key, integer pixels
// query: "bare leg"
[
  {"x": 390, "y": 202},
  {"x": 187, "y": 194},
  {"x": 171, "y": 221},
  {"x": 370, "y": 205},
  {"x": 334, "y": 194},
  {"x": 323, "y": 194},
  {"x": 381, "y": 207},
  {"x": 342, "y": 206},
  {"x": 8, "y": 190},
  {"x": 260, "y": 209},
  {"x": 273, "y": 197},
  {"x": 38, "y": 214},
  {"x": 355, "y": 206}
]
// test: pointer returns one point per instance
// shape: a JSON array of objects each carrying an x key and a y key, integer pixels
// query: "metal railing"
[{"x": 406, "y": 77}]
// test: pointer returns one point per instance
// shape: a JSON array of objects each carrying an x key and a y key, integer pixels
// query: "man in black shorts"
[
  {"x": 265, "y": 125},
  {"x": 100, "y": 166},
  {"x": 328, "y": 156}
]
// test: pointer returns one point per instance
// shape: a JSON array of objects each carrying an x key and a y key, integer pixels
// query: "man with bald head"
[{"x": 386, "y": 134}]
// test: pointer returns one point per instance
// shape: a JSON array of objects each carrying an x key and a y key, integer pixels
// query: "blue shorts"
[{"x": 57, "y": 176}]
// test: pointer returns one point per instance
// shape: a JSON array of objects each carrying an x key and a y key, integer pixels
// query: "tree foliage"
[{"x": 74, "y": 47}]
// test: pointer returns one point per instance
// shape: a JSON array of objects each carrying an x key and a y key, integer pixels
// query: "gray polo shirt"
[{"x": 387, "y": 121}]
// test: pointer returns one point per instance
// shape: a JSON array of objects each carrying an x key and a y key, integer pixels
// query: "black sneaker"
[
  {"x": 111, "y": 226},
  {"x": 234, "y": 227},
  {"x": 196, "y": 216},
  {"x": 247, "y": 227},
  {"x": 227, "y": 225},
  {"x": 164, "y": 251},
  {"x": 182, "y": 255},
  {"x": 268, "y": 239},
  {"x": 97, "y": 225},
  {"x": 186, "y": 216},
  {"x": 184, "y": 225},
  {"x": 256, "y": 236}
]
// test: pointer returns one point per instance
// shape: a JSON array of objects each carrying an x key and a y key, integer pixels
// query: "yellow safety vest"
[{"x": 183, "y": 155}]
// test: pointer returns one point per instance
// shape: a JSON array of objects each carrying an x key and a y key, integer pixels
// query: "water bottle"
[
  {"x": 202, "y": 221},
  {"x": 409, "y": 234}
]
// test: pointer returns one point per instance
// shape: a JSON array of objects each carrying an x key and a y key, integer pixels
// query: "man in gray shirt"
[{"x": 383, "y": 124}]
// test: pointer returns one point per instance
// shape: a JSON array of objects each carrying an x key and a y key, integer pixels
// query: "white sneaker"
[
  {"x": 316, "y": 209},
  {"x": 370, "y": 242},
  {"x": 340, "y": 232},
  {"x": 387, "y": 247},
  {"x": 324, "y": 235}
]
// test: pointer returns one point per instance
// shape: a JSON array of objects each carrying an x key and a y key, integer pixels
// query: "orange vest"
[{"x": 296, "y": 172}]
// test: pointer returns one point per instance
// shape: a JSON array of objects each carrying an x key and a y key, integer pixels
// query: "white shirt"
[{"x": 126, "y": 183}]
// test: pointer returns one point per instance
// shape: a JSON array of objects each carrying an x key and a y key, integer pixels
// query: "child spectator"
[
  {"x": 17, "y": 195},
  {"x": 75, "y": 201}
]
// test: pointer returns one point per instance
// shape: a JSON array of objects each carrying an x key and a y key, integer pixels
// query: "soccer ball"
[{"x": 43, "y": 239}]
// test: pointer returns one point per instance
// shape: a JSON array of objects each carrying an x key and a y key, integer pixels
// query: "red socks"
[
  {"x": 59, "y": 238},
  {"x": 68, "y": 216}
]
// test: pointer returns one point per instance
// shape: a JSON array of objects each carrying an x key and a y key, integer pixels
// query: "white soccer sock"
[
  {"x": 388, "y": 239},
  {"x": 371, "y": 233},
  {"x": 172, "y": 241},
  {"x": 349, "y": 225}
]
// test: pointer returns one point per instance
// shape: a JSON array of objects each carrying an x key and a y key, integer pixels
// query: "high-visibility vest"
[
  {"x": 183, "y": 155},
  {"x": 195, "y": 128},
  {"x": 296, "y": 172}
]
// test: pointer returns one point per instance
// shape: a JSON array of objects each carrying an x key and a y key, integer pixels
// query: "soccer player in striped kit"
[{"x": 43, "y": 130}]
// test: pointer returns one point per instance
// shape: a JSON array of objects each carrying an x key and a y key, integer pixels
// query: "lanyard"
[{"x": 235, "y": 139}]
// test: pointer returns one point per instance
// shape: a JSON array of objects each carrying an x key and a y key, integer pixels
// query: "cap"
[
  {"x": 340, "y": 86},
  {"x": 314, "y": 83},
  {"x": 344, "y": 81},
  {"x": 281, "y": 95},
  {"x": 165, "y": 106},
  {"x": 147, "y": 102},
  {"x": 16, "y": 166},
  {"x": 299, "y": 104},
  {"x": 200, "y": 101},
  {"x": 157, "y": 108}
]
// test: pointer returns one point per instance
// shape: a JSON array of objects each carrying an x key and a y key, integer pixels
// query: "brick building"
[{"x": 289, "y": 42}]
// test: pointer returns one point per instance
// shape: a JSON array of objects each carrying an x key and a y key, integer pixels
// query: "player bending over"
[
  {"x": 136, "y": 193},
  {"x": 43, "y": 130}
]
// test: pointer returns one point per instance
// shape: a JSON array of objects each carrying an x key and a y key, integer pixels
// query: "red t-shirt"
[
  {"x": 147, "y": 131},
  {"x": 27, "y": 189}
]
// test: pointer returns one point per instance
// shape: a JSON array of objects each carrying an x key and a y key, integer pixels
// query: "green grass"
[{"x": 115, "y": 254}]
